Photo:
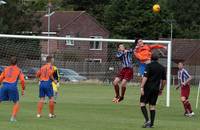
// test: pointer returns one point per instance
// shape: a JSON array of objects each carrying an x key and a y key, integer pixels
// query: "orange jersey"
[
  {"x": 11, "y": 74},
  {"x": 45, "y": 72},
  {"x": 143, "y": 53}
]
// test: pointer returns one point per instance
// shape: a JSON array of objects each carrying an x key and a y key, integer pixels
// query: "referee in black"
[{"x": 152, "y": 85}]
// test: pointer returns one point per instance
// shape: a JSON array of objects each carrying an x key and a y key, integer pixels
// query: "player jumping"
[
  {"x": 125, "y": 74},
  {"x": 143, "y": 53},
  {"x": 9, "y": 91},
  {"x": 184, "y": 82},
  {"x": 45, "y": 74}
]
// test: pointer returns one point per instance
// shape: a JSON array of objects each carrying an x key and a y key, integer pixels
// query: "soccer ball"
[
  {"x": 156, "y": 8},
  {"x": 38, "y": 115}
]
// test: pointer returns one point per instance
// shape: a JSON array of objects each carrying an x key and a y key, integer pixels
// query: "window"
[
  {"x": 93, "y": 60},
  {"x": 69, "y": 42},
  {"x": 96, "y": 45},
  {"x": 44, "y": 56}
]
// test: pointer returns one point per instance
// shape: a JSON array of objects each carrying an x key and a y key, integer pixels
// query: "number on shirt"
[{"x": 10, "y": 72}]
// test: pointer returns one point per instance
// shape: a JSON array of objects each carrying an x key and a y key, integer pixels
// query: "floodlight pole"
[
  {"x": 169, "y": 55},
  {"x": 171, "y": 22},
  {"x": 49, "y": 26}
]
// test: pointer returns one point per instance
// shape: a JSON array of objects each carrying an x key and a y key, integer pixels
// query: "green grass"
[{"x": 89, "y": 107}]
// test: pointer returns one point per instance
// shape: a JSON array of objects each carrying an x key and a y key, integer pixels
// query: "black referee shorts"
[{"x": 150, "y": 97}]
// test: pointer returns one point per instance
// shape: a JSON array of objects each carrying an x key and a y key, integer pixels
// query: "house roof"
[
  {"x": 60, "y": 20},
  {"x": 185, "y": 49}
]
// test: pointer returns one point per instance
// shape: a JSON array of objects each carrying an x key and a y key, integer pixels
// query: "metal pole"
[
  {"x": 49, "y": 26},
  {"x": 197, "y": 100},
  {"x": 169, "y": 54},
  {"x": 169, "y": 66},
  {"x": 171, "y": 30}
]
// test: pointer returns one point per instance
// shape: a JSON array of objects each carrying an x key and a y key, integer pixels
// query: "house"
[
  {"x": 188, "y": 52},
  {"x": 184, "y": 50},
  {"x": 74, "y": 24}
]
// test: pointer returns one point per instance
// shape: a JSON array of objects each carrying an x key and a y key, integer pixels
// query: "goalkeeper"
[
  {"x": 143, "y": 53},
  {"x": 56, "y": 86}
]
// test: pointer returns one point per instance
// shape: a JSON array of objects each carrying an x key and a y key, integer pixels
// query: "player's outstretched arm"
[{"x": 157, "y": 46}]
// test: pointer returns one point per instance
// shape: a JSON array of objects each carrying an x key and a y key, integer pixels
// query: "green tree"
[
  {"x": 186, "y": 14},
  {"x": 93, "y": 7},
  {"x": 134, "y": 18},
  {"x": 17, "y": 18},
  {"x": 42, "y": 5}
]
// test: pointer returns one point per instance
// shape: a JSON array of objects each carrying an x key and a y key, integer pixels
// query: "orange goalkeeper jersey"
[{"x": 143, "y": 53}]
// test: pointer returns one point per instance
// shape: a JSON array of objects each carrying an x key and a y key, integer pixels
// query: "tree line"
[{"x": 123, "y": 18}]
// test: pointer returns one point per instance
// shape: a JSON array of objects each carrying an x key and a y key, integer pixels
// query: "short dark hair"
[
  {"x": 119, "y": 44},
  {"x": 181, "y": 63},
  {"x": 13, "y": 60},
  {"x": 154, "y": 56},
  {"x": 136, "y": 40},
  {"x": 48, "y": 59}
]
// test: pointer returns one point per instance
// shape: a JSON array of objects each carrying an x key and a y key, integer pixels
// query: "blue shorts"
[
  {"x": 46, "y": 89},
  {"x": 9, "y": 92},
  {"x": 142, "y": 67}
]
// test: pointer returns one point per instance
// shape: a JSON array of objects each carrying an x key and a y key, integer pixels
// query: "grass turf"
[{"x": 89, "y": 107}]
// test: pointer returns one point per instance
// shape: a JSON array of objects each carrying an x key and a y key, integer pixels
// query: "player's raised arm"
[{"x": 157, "y": 46}]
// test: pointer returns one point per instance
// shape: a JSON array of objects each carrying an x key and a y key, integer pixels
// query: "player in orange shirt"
[
  {"x": 45, "y": 75},
  {"x": 9, "y": 91},
  {"x": 143, "y": 53}
]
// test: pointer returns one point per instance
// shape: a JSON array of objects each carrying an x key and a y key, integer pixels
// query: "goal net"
[{"x": 78, "y": 59}]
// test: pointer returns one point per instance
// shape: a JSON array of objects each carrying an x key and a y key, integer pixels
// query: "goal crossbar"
[
  {"x": 79, "y": 39},
  {"x": 168, "y": 43}
]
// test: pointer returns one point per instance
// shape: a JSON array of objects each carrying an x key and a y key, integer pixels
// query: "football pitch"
[{"x": 89, "y": 107}]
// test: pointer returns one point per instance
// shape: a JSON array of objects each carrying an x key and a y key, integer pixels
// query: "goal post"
[{"x": 168, "y": 43}]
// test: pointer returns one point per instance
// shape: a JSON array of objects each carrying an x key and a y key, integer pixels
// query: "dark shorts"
[
  {"x": 150, "y": 97},
  {"x": 185, "y": 91},
  {"x": 9, "y": 93},
  {"x": 125, "y": 73},
  {"x": 46, "y": 89}
]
